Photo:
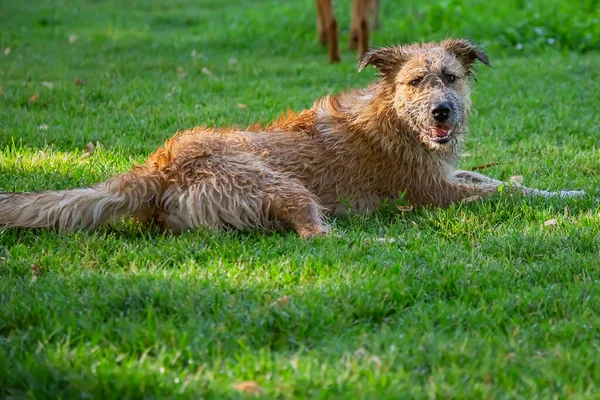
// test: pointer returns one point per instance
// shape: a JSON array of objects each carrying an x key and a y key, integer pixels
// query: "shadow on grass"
[
  {"x": 105, "y": 335},
  {"x": 98, "y": 334}
]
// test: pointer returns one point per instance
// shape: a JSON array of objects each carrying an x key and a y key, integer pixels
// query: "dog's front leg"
[{"x": 475, "y": 184}]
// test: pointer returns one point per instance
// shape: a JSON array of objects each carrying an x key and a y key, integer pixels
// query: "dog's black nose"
[{"x": 441, "y": 111}]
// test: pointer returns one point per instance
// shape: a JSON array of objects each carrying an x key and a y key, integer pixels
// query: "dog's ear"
[
  {"x": 466, "y": 52},
  {"x": 385, "y": 59}
]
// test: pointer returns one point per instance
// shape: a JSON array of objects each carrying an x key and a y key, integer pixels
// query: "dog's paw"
[
  {"x": 572, "y": 193},
  {"x": 548, "y": 194},
  {"x": 311, "y": 232}
]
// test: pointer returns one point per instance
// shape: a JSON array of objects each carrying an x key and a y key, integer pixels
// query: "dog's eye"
[
  {"x": 415, "y": 82},
  {"x": 450, "y": 78}
]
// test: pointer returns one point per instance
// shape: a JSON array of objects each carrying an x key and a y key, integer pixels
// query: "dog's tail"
[{"x": 123, "y": 195}]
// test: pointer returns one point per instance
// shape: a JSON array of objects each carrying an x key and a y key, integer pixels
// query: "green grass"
[{"x": 477, "y": 301}]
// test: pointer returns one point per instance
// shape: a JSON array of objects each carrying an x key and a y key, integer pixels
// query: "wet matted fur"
[{"x": 357, "y": 149}]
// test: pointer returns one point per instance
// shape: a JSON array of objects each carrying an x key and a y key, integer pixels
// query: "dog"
[
  {"x": 360, "y": 26},
  {"x": 355, "y": 150}
]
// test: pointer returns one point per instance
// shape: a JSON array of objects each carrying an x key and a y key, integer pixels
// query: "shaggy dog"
[{"x": 356, "y": 149}]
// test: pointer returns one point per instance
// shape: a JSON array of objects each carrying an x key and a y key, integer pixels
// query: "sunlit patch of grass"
[{"x": 479, "y": 300}]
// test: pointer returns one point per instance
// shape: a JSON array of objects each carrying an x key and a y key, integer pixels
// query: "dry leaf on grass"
[
  {"x": 35, "y": 272},
  {"x": 282, "y": 301},
  {"x": 484, "y": 166},
  {"x": 33, "y": 98},
  {"x": 360, "y": 352},
  {"x": 381, "y": 240},
  {"x": 248, "y": 387},
  {"x": 181, "y": 72},
  {"x": 376, "y": 361},
  {"x": 79, "y": 82},
  {"x": 551, "y": 222},
  {"x": 242, "y": 106},
  {"x": 516, "y": 330},
  {"x": 90, "y": 148},
  {"x": 405, "y": 208},
  {"x": 207, "y": 71},
  {"x": 294, "y": 362},
  {"x": 1, "y": 89},
  {"x": 516, "y": 179},
  {"x": 49, "y": 85}
]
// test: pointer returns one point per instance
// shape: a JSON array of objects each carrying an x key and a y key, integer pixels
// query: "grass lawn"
[{"x": 481, "y": 300}]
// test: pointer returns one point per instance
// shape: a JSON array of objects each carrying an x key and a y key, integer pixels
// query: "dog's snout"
[{"x": 441, "y": 111}]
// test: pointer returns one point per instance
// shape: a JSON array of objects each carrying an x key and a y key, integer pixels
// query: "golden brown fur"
[
  {"x": 360, "y": 26},
  {"x": 354, "y": 150}
]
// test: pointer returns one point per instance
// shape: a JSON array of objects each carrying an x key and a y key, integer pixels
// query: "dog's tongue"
[{"x": 439, "y": 131}]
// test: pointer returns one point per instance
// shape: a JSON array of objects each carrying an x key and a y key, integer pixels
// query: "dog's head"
[{"x": 429, "y": 87}]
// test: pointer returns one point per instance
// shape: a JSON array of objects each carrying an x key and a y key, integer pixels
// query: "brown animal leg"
[
  {"x": 363, "y": 38},
  {"x": 300, "y": 211},
  {"x": 375, "y": 14},
  {"x": 334, "y": 51},
  {"x": 359, "y": 26},
  {"x": 321, "y": 31},
  {"x": 326, "y": 22},
  {"x": 355, "y": 19}
]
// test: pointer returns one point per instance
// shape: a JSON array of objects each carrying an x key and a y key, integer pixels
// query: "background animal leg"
[{"x": 327, "y": 23}]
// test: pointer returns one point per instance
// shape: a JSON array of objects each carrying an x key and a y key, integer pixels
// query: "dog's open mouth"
[{"x": 439, "y": 133}]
